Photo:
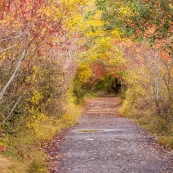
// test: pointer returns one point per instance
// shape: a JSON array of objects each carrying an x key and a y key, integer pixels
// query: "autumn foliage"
[
  {"x": 51, "y": 49},
  {"x": 38, "y": 50}
]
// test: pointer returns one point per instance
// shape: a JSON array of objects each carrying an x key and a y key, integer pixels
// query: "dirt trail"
[{"x": 104, "y": 142}]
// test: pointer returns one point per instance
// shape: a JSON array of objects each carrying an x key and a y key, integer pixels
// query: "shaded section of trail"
[{"x": 104, "y": 142}]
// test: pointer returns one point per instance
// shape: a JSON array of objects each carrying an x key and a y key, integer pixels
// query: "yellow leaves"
[
  {"x": 92, "y": 57},
  {"x": 2, "y": 57},
  {"x": 116, "y": 60},
  {"x": 51, "y": 12},
  {"x": 37, "y": 96},
  {"x": 70, "y": 2},
  {"x": 75, "y": 21},
  {"x": 35, "y": 118},
  {"x": 104, "y": 41},
  {"x": 84, "y": 73},
  {"x": 74, "y": 3},
  {"x": 125, "y": 11},
  {"x": 43, "y": 31},
  {"x": 33, "y": 78},
  {"x": 91, "y": 3},
  {"x": 171, "y": 6},
  {"x": 94, "y": 28},
  {"x": 35, "y": 115},
  {"x": 116, "y": 34}
]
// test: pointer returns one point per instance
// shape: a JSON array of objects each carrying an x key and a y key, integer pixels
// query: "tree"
[
  {"x": 140, "y": 19},
  {"x": 39, "y": 48}
]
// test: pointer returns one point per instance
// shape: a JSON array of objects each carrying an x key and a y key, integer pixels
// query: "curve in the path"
[{"x": 104, "y": 142}]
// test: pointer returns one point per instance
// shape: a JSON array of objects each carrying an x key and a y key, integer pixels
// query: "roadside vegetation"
[
  {"x": 25, "y": 153},
  {"x": 147, "y": 52}
]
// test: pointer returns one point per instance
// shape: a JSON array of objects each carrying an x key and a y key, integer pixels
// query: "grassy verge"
[
  {"x": 162, "y": 131},
  {"x": 160, "y": 127},
  {"x": 24, "y": 153}
]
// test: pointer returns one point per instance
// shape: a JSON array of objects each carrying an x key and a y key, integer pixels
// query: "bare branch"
[
  {"x": 7, "y": 48},
  {"x": 11, "y": 111},
  {"x": 13, "y": 75}
]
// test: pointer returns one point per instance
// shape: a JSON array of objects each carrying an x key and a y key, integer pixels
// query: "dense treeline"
[
  {"x": 38, "y": 59},
  {"x": 146, "y": 28}
]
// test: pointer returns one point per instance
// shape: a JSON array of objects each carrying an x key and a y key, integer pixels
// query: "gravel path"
[{"x": 104, "y": 142}]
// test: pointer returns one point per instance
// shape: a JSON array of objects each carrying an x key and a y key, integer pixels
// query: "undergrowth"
[
  {"x": 24, "y": 153},
  {"x": 161, "y": 125}
]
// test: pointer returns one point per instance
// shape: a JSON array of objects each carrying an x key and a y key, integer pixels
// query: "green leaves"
[
  {"x": 102, "y": 4},
  {"x": 136, "y": 18}
]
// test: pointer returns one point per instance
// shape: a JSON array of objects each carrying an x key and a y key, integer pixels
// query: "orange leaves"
[
  {"x": 150, "y": 31},
  {"x": 163, "y": 141},
  {"x": 165, "y": 56}
]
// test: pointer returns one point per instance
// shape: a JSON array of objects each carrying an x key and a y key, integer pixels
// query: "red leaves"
[
  {"x": 98, "y": 71},
  {"x": 51, "y": 30},
  {"x": 50, "y": 43},
  {"x": 43, "y": 25},
  {"x": 57, "y": 5},
  {"x": 2, "y": 148},
  {"x": 40, "y": 1},
  {"x": 59, "y": 33}
]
